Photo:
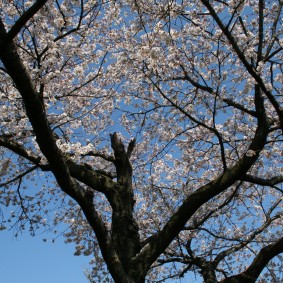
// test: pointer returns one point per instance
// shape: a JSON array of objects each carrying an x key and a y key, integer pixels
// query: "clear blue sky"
[{"x": 29, "y": 260}]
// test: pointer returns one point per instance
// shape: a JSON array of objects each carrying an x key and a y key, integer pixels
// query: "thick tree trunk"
[{"x": 125, "y": 230}]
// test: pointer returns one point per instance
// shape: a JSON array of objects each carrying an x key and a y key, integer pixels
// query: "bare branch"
[
  {"x": 19, "y": 149},
  {"x": 236, "y": 105},
  {"x": 263, "y": 182},
  {"x": 100, "y": 154}
]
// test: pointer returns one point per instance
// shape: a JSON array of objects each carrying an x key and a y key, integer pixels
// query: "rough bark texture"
[{"x": 125, "y": 231}]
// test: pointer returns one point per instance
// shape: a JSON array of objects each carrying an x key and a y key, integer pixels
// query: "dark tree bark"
[{"x": 125, "y": 231}]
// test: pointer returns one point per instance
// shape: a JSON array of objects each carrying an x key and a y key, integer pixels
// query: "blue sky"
[{"x": 28, "y": 259}]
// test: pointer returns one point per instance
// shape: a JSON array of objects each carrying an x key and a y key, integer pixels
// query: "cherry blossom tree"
[{"x": 151, "y": 129}]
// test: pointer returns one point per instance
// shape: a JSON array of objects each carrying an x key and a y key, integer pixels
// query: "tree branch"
[
  {"x": 19, "y": 150},
  {"x": 244, "y": 60},
  {"x": 259, "y": 263},
  {"x": 99, "y": 154},
  {"x": 24, "y": 18},
  {"x": 37, "y": 116},
  {"x": 246, "y": 241},
  {"x": 176, "y": 223},
  {"x": 97, "y": 181},
  {"x": 36, "y": 113},
  {"x": 240, "y": 107},
  {"x": 19, "y": 177},
  {"x": 260, "y": 30},
  {"x": 263, "y": 182}
]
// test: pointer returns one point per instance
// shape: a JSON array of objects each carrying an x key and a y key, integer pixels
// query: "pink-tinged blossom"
[{"x": 194, "y": 89}]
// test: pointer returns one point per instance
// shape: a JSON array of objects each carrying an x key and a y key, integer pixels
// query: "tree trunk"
[{"x": 125, "y": 230}]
